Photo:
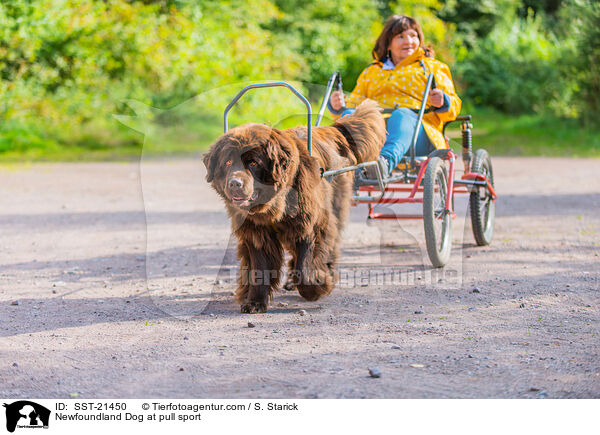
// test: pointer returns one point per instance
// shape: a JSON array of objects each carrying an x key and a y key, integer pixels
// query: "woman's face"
[{"x": 404, "y": 44}]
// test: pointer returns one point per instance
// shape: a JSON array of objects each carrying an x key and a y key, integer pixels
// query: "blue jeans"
[{"x": 400, "y": 128}]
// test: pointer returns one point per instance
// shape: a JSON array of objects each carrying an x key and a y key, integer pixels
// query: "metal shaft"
[
  {"x": 413, "y": 142},
  {"x": 272, "y": 85}
]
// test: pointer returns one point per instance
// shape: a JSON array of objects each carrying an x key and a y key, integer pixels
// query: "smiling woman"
[{"x": 396, "y": 79}]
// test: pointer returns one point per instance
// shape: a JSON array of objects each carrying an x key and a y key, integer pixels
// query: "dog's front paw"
[
  {"x": 254, "y": 307},
  {"x": 316, "y": 283}
]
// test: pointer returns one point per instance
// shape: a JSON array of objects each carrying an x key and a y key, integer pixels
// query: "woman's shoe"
[{"x": 383, "y": 168}]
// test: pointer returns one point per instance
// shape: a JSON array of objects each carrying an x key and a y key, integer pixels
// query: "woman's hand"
[
  {"x": 337, "y": 100},
  {"x": 436, "y": 98}
]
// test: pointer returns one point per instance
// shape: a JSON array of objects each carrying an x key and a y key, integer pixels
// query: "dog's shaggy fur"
[{"x": 277, "y": 200}]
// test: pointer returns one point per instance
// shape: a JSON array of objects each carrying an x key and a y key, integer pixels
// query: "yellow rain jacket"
[{"x": 403, "y": 86}]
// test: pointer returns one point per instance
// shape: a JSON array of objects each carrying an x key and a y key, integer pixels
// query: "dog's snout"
[{"x": 236, "y": 183}]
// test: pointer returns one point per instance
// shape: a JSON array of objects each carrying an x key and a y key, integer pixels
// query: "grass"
[
  {"x": 37, "y": 141},
  {"x": 529, "y": 135},
  {"x": 500, "y": 134},
  {"x": 104, "y": 141}
]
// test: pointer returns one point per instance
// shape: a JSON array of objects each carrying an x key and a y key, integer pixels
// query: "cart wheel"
[
  {"x": 438, "y": 223},
  {"x": 483, "y": 209}
]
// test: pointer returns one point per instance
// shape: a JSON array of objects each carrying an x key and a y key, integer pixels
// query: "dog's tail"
[{"x": 364, "y": 131}]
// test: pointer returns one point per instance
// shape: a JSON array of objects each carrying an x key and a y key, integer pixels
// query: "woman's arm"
[{"x": 443, "y": 80}]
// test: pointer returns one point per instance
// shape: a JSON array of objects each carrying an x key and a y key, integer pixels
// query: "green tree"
[
  {"x": 475, "y": 19},
  {"x": 328, "y": 35},
  {"x": 581, "y": 21},
  {"x": 75, "y": 60}
]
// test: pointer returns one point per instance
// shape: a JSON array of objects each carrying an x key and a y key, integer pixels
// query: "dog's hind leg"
[
  {"x": 315, "y": 277},
  {"x": 292, "y": 275},
  {"x": 261, "y": 276},
  {"x": 342, "y": 188}
]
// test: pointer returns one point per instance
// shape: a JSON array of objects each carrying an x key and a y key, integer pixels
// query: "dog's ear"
[
  {"x": 280, "y": 154},
  {"x": 210, "y": 161}
]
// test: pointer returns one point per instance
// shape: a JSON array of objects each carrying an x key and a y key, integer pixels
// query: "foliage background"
[{"x": 169, "y": 67}]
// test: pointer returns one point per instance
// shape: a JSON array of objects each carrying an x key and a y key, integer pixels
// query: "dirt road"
[{"x": 116, "y": 281}]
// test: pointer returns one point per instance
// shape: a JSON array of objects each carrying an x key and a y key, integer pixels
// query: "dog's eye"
[
  {"x": 228, "y": 163},
  {"x": 253, "y": 164}
]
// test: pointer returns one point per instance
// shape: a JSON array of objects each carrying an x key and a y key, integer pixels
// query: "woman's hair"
[{"x": 395, "y": 25}]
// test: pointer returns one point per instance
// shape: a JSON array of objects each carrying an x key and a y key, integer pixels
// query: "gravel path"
[{"x": 116, "y": 281}]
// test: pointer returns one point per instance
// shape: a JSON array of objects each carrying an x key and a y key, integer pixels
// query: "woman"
[{"x": 397, "y": 79}]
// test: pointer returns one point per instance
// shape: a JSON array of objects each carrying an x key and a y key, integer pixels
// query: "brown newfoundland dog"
[{"x": 277, "y": 200}]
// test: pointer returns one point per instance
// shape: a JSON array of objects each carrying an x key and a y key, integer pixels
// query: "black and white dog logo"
[{"x": 25, "y": 414}]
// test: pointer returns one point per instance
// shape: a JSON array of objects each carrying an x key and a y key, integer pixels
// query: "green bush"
[{"x": 513, "y": 69}]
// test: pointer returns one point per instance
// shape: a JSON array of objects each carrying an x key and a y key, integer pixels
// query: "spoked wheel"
[
  {"x": 438, "y": 223},
  {"x": 483, "y": 209}
]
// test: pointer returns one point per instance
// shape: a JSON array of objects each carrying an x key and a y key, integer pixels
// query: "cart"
[{"x": 429, "y": 180}]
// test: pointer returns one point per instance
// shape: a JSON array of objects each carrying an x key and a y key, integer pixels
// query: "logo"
[{"x": 25, "y": 414}]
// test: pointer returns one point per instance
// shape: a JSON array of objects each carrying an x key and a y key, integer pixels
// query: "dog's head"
[{"x": 250, "y": 165}]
